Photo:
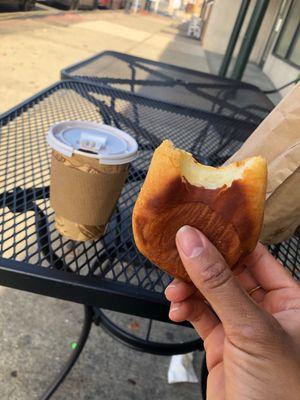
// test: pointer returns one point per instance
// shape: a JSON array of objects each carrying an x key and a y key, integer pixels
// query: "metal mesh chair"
[{"x": 173, "y": 84}]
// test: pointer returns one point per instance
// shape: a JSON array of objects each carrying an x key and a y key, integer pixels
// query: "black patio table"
[
  {"x": 174, "y": 84},
  {"x": 108, "y": 273}
]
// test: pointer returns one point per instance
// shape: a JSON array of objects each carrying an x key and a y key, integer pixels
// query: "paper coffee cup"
[{"x": 89, "y": 166}]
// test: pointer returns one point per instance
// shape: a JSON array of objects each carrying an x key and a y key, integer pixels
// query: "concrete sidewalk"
[
  {"x": 35, "y": 341},
  {"x": 34, "y": 50}
]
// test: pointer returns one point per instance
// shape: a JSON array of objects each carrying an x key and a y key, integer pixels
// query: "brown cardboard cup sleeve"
[{"x": 86, "y": 198}]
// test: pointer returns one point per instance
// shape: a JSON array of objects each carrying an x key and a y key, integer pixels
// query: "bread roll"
[{"x": 225, "y": 203}]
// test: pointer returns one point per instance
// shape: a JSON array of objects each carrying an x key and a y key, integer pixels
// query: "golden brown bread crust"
[{"x": 230, "y": 215}]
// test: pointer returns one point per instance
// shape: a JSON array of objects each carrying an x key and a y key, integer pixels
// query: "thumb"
[{"x": 241, "y": 317}]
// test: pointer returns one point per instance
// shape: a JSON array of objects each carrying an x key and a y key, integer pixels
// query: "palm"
[
  {"x": 281, "y": 302},
  {"x": 284, "y": 305}
]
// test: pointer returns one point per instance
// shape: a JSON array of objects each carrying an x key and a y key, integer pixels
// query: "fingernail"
[
  {"x": 189, "y": 241},
  {"x": 171, "y": 286},
  {"x": 174, "y": 307}
]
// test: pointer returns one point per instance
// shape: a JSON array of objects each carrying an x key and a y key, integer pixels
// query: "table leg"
[
  {"x": 204, "y": 375},
  {"x": 58, "y": 380}
]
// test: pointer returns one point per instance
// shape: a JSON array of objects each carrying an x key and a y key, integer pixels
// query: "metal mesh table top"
[
  {"x": 109, "y": 272},
  {"x": 173, "y": 84}
]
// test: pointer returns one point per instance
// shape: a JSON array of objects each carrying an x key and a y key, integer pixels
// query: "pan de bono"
[{"x": 225, "y": 203}]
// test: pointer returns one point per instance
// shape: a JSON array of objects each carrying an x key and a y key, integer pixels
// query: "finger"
[
  {"x": 210, "y": 274},
  {"x": 267, "y": 271},
  {"x": 179, "y": 290},
  {"x": 249, "y": 283},
  {"x": 214, "y": 345},
  {"x": 197, "y": 313},
  {"x": 216, "y": 383},
  {"x": 238, "y": 268}
]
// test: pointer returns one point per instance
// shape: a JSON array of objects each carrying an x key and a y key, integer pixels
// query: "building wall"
[
  {"x": 265, "y": 30},
  {"x": 280, "y": 72},
  {"x": 222, "y": 20},
  {"x": 219, "y": 25}
]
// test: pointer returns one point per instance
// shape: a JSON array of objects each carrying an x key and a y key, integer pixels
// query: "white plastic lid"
[{"x": 110, "y": 145}]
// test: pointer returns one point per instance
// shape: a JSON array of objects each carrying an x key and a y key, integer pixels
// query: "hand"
[{"x": 252, "y": 342}]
